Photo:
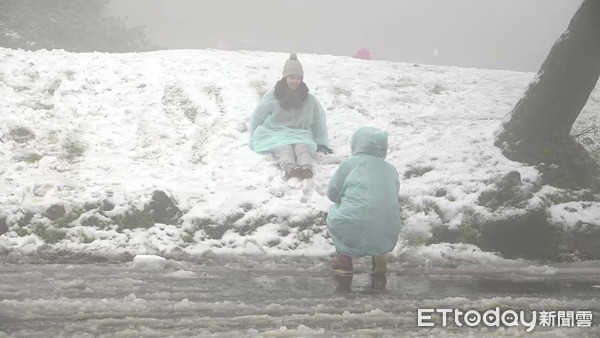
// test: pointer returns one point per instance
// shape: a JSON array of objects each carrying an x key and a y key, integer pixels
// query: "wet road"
[{"x": 280, "y": 297}]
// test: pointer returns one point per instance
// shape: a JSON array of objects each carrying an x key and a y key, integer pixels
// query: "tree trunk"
[{"x": 537, "y": 130}]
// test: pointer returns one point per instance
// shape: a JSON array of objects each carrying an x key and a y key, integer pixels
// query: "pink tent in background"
[
  {"x": 221, "y": 45},
  {"x": 363, "y": 53}
]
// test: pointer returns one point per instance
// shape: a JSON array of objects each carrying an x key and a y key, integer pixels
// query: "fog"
[{"x": 494, "y": 34}]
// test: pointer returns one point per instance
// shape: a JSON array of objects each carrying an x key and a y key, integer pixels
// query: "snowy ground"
[
  {"x": 86, "y": 139},
  {"x": 266, "y": 296}
]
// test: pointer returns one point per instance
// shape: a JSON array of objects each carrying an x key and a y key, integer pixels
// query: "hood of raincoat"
[{"x": 369, "y": 141}]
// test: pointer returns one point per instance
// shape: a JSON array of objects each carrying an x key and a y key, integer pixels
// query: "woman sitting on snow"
[{"x": 290, "y": 123}]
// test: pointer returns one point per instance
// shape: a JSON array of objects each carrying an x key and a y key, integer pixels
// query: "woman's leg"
[
  {"x": 285, "y": 158},
  {"x": 304, "y": 159}
]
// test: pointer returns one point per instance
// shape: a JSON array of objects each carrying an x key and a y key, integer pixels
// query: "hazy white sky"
[{"x": 496, "y": 34}]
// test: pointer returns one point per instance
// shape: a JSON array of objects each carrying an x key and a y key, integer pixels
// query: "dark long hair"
[{"x": 290, "y": 98}]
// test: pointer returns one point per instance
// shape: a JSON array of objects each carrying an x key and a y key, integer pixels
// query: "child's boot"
[
  {"x": 379, "y": 265},
  {"x": 342, "y": 264}
]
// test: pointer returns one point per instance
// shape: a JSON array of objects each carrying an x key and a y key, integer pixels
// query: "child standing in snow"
[
  {"x": 290, "y": 123},
  {"x": 365, "y": 219}
]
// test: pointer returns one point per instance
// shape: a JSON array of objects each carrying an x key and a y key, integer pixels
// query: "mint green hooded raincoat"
[
  {"x": 365, "y": 219},
  {"x": 272, "y": 127}
]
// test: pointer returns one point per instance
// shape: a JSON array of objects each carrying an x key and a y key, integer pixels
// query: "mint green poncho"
[
  {"x": 365, "y": 219},
  {"x": 272, "y": 127}
]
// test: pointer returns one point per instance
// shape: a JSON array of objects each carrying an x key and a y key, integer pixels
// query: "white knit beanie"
[{"x": 293, "y": 67}]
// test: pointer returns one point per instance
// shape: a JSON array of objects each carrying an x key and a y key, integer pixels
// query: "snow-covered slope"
[{"x": 96, "y": 146}]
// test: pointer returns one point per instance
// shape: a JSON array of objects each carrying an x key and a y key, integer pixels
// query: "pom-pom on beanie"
[{"x": 293, "y": 67}]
